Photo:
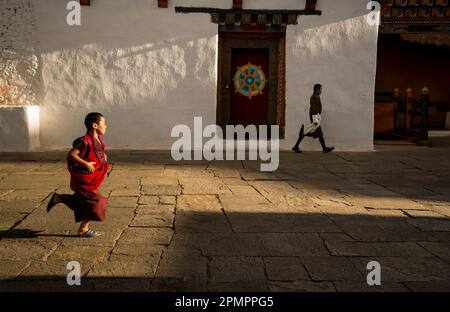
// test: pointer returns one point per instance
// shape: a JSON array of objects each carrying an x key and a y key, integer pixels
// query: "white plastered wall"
[
  {"x": 339, "y": 51},
  {"x": 148, "y": 69}
]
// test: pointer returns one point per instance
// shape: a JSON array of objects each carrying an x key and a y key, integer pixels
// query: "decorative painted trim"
[
  {"x": 411, "y": 11},
  {"x": 415, "y": 16},
  {"x": 399, "y": 20},
  {"x": 407, "y": 28},
  {"x": 85, "y": 2},
  {"x": 230, "y": 38},
  {"x": 225, "y": 11},
  {"x": 250, "y": 17},
  {"x": 281, "y": 113}
]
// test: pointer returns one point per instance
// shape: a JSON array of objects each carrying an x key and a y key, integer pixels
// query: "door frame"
[{"x": 275, "y": 42}]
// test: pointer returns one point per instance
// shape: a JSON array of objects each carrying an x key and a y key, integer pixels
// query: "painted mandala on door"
[{"x": 249, "y": 80}]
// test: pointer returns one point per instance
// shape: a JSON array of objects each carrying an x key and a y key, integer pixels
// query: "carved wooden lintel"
[{"x": 250, "y": 17}]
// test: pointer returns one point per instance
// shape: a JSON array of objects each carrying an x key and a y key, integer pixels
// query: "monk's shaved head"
[{"x": 92, "y": 118}]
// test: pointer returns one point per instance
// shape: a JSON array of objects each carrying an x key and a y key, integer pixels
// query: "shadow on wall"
[
  {"x": 135, "y": 63},
  {"x": 341, "y": 55},
  {"x": 129, "y": 68},
  {"x": 115, "y": 24}
]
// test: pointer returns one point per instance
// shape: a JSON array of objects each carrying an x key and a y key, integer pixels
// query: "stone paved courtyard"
[{"x": 313, "y": 225}]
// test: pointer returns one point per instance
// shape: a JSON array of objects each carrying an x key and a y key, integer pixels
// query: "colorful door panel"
[{"x": 250, "y": 87}]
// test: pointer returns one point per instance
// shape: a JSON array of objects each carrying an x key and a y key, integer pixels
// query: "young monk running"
[{"x": 87, "y": 164}]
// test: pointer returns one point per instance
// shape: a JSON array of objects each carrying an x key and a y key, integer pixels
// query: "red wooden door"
[{"x": 250, "y": 88}]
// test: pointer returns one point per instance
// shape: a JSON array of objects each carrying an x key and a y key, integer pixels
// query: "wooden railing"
[{"x": 403, "y": 115}]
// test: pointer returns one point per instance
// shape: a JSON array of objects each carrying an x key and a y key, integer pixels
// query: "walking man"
[{"x": 314, "y": 129}]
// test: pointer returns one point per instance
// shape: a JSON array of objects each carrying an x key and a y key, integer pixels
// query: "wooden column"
[
  {"x": 424, "y": 114},
  {"x": 409, "y": 109}
]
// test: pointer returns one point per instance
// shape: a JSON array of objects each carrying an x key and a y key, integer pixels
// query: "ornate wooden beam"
[
  {"x": 250, "y": 17},
  {"x": 406, "y": 28},
  {"x": 415, "y": 10},
  {"x": 415, "y": 16},
  {"x": 252, "y": 11}
]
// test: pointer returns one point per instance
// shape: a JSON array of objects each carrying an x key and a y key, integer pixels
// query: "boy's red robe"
[
  {"x": 80, "y": 179},
  {"x": 87, "y": 202}
]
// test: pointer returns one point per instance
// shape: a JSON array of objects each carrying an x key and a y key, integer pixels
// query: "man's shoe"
[
  {"x": 296, "y": 149},
  {"x": 328, "y": 149},
  {"x": 88, "y": 233}
]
